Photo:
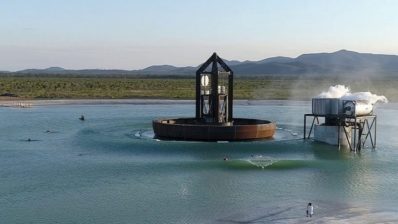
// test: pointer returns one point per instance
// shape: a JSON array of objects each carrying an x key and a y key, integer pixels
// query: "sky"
[{"x": 122, "y": 34}]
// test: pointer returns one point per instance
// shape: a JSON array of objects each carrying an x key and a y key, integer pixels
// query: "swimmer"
[
  {"x": 310, "y": 210},
  {"x": 81, "y": 118},
  {"x": 226, "y": 158},
  {"x": 30, "y": 140}
]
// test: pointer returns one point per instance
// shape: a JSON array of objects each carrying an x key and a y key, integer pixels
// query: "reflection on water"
[{"x": 109, "y": 169}]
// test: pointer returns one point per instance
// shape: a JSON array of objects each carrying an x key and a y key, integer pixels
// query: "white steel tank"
[{"x": 336, "y": 106}]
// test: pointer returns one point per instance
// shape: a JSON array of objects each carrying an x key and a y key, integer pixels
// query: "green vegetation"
[{"x": 179, "y": 88}]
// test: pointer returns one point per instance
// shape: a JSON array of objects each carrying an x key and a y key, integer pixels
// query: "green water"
[{"x": 109, "y": 169}]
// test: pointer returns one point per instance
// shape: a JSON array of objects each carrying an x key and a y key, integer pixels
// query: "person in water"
[
  {"x": 81, "y": 118},
  {"x": 310, "y": 210}
]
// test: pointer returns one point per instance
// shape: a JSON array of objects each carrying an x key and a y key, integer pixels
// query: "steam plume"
[{"x": 344, "y": 93}]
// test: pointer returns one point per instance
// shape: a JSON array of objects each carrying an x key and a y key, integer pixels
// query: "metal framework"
[
  {"x": 214, "y": 119},
  {"x": 363, "y": 127},
  {"x": 214, "y": 107}
]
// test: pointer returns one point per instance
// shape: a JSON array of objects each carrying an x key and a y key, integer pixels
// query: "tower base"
[{"x": 191, "y": 129}]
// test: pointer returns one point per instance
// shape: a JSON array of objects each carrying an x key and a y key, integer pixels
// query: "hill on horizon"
[{"x": 342, "y": 62}]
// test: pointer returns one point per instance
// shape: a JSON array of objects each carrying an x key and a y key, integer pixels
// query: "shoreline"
[
  {"x": 55, "y": 102},
  {"x": 26, "y": 103}
]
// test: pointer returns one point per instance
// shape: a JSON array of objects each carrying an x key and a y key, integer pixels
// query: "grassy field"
[{"x": 180, "y": 88}]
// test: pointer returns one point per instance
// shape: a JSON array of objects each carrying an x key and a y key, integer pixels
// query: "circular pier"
[
  {"x": 194, "y": 129},
  {"x": 213, "y": 119}
]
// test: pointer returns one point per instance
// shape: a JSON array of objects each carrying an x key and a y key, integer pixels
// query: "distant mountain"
[
  {"x": 343, "y": 62},
  {"x": 62, "y": 71},
  {"x": 160, "y": 68},
  {"x": 166, "y": 69},
  {"x": 275, "y": 59},
  {"x": 152, "y": 70},
  {"x": 351, "y": 62},
  {"x": 51, "y": 70},
  {"x": 232, "y": 62}
]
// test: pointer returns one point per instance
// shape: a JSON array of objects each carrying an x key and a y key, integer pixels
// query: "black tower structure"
[
  {"x": 213, "y": 119},
  {"x": 214, "y": 91}
]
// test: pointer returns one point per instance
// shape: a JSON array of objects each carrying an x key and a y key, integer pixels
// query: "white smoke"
[
  {"x": 336, "y": 91},
  {"x": 344, "y": 93}
]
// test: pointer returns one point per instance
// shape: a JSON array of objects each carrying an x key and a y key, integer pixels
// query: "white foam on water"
[
  {"x": 138, "y": 134},
  {"x": 261, "y": 161}
]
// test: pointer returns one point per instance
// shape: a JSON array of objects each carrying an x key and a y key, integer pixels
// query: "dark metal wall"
[{"x": 215, "y": 61}]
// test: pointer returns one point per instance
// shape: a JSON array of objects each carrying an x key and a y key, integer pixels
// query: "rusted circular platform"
[{"x": 192, "y": 129}]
